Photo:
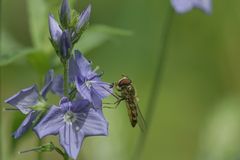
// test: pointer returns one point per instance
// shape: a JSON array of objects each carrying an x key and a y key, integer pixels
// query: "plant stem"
[
  {"x": 39, "y": 141},
  {"x": 65, "y": 156},
  {"x": 151, "y": 105},
  {"x": 65, "y": 76}
]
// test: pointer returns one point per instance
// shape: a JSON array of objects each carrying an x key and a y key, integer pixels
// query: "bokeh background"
[{"x": 197, "y": 116}]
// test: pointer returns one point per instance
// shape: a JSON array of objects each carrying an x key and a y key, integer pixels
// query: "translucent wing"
[{"x": 140, "y": 119}]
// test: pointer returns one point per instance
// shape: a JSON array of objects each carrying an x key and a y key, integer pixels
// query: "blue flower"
[
  {"x": 29, "y": 101},
  {"x": 65, "y": 14},
  {"x": 73, "y": 121},
  {"x": 24, "y": 100},
  {"x": 87, "y": 81},
  {"x": 182, "y": 6}
]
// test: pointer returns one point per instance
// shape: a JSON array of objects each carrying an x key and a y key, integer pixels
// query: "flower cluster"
[
  {"x": 79, "y": 113},
  {"x": 183, "y": 6}
]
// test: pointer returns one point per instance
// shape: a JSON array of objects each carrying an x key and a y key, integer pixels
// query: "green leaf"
[
  {"x": 40, "y": 61},
  {"x": 11, "y": 50},
  {"x": 97, "y": 35},
  {"x": 38, "y": 22}
]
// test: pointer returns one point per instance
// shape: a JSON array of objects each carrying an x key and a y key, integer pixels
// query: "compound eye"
[{"x": 124, "y": 82}]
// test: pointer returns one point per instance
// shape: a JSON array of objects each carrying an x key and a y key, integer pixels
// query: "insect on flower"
[{"x": 128, "y": 94}]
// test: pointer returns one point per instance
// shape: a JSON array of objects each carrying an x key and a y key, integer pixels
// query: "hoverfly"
[{"x": 128, "y": 94}]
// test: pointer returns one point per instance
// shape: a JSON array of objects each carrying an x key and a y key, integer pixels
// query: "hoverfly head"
[{"x": 124, "y": 82}]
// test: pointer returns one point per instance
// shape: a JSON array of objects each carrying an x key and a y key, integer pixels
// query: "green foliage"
[
  {"x": 40, "y": 61},
  {"x": 97, "y": 35},
  {"x": 92, "y": 38},
  {"x": 11, "y": 50},
  {"x": 38, "y": 23}
]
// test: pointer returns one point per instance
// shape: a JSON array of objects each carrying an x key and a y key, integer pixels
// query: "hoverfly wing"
[{"x": 140, "y": 119}]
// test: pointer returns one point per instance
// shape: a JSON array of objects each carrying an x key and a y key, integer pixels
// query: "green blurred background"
[{"x": 197, "y": 116}]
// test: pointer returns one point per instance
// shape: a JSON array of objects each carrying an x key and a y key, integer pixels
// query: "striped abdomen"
[{"x": 132, "y": 112}]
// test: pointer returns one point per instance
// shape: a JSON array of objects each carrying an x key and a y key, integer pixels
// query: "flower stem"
[
  {"x": 65, "y": 76},
  {"x": 65, "y": 156},
  {"x": 152, "y": 102}
]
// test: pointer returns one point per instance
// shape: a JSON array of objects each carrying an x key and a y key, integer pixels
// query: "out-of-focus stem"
[{"x": 152, "y": 102}]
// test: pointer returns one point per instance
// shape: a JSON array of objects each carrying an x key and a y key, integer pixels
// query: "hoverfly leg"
[{"x": 115, "y": 103}]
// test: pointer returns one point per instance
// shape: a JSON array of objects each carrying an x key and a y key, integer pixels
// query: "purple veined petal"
[
  {"x": 50, "y": 123},
  {"x": 83, "y": 89},
  {"x": 182, "y": 6},
  {"x": 24, "y": 99},
  {"x": 96, "y": 99},
  {"x": 65, "y": 104},
  {"x": 57, "y": 85},
  {"x": 26, "y": 124},
  {"x": 47, "y": 83},
  {"x": 103, "y": 89},
  {"x": 79, "y": 105},
  {"x": 73, "y": 69},
  {"x": 54, "y": 29},
  {"x": 83, "y": 18},
  {"x": 205, "y": 5},
  {"x": 92, "y": 123},
  {"x": 83, "y": 64},
  {"x": 71, "y": 139}
]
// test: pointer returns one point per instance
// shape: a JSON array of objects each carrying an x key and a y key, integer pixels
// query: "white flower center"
[
  {"x": 69, "y": 117},
  {"x": 88, "y": 84}
]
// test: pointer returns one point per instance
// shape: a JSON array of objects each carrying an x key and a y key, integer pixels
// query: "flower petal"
[
  {"x": 83, "y": 90},
  {"x": 26, "y": 124},
  {"x": 205, "y": 5},
  {"x": 65, "y": 13},
  {"x": 83, "y": 18},
  {"x": 84, "y": 65},
  {"x": 96, "y": 99},
  {"x": 65, "y": 44},
  {"x": 182, "y": 6},
  {"x": 103, "y": 89},
  {"x": 48, "y": 83},
  {"x": 55, "y": 30},
  {"x": 79, "y": 105},
  {"x": 65, "y": 104},
  {"x": 50, "y": 123},
  {"x": 94, "y": 124},
  {"x": 73, "y": 69},
  {"x": 71, "y": 139},
  {"x": 24, "y": 99},
  {"x": 57, "y": 86}
]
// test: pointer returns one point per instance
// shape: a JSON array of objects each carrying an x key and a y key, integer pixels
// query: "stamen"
[
  {"x": 69, "y": 117},
  {"x": 96, "y": 69}
]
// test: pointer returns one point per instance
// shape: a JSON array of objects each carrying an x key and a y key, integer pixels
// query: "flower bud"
[
  {"x": 49, "y": 147},
  {"x": 55, "y": 30},
  {"x": 65, "y": 14},
  {"x": 83, "y": 18},
  {"x": 65, "y": 45}
]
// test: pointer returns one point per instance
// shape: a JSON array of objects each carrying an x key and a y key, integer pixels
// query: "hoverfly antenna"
[
  {"x": 96, "y": 69},
  {"x": 124, "y": 75}
]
